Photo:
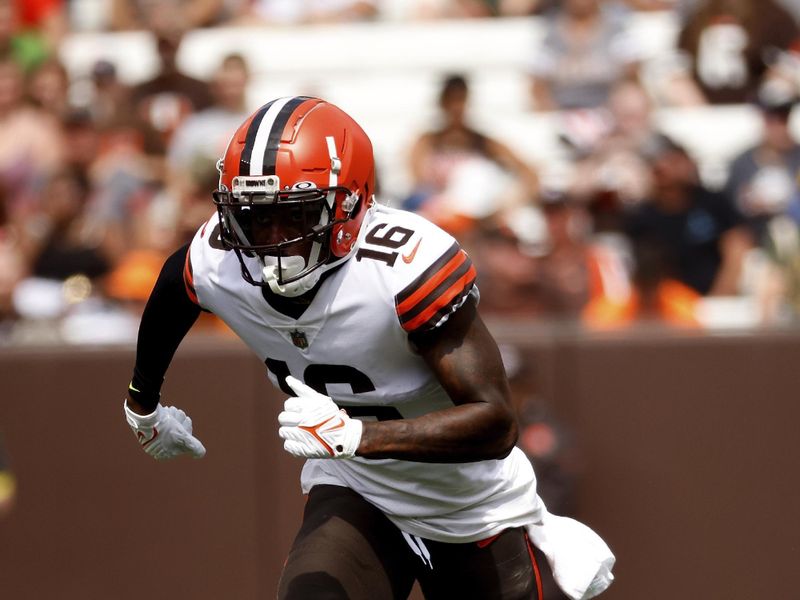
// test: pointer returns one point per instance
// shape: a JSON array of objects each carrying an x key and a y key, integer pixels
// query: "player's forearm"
[
  {"x": 482, "y": 424},
  {"x": 168, "y": 316},
  {"x": 465, "y": 433}
]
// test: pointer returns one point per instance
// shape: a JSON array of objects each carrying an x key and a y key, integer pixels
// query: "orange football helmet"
[{"x": 296, "y": 182}]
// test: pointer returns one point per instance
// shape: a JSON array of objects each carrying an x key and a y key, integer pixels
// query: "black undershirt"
[
  {"x": 169, "y": 315},
  {"x": 167, "y": 318}
]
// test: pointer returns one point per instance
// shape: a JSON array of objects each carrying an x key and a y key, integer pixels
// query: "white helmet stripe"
[
  {"x": 333, "y": 178},
  {"x": 256, "y": 157}
]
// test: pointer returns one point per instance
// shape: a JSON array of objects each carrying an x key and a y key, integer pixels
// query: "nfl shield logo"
[{"x": 299, "y": 339}]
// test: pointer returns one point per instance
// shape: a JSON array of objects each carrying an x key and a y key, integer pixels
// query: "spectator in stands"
[
  {"x": 61, "y": 244},
  {"x": 82, "y": 137},
  {"x": 562, "y": 269},
  {"x": 31, "y": 143},
  {"x": 507, "y": 273},
  {"x": 762, "y": 180},
  {"x": 113, "y": 162},
  {"x": 777, "y": 282},
  {"x": 48, "y": 88},
  {"x": 122, "y": 156},
  {"x": 110, "y": 102},
  {"x": 201, "y": 140},
  {"x": 191, "y": 14},
  {"x": 531, "y": 261},
  {"x": 169, "y": 97},
  {"x": 654, "y": 295},
  {"x": 729, "y": 45},
  {"x": 204, "y": 135},
  {"x": 585, "y": 51},
  {"x": 447, "y": 9},
  {"x": 291, "y": 12},
  {"x": 460, "y": 174},
  {"x": 516, "y": 8},
  {"x": 699, "y": 229},
  {"x": 611, "y": 169},
  {"x": 610, "y": 177}
]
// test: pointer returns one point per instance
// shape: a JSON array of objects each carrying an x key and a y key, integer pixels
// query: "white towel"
[{"x": 579, "y": 558}]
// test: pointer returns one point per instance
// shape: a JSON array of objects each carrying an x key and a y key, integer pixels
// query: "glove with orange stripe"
[
  {"x": 165, "y": 433},
  {"x": 312, "y": 426}
]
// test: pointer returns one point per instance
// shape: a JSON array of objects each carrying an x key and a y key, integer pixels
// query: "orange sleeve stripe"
[
  {"x": 431, "y": 284},
  {"x": 458, "y": 288},
  {"x": 188, "y": 279}
]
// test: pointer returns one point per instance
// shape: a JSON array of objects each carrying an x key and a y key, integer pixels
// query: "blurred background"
[{"x": 623, "y": 173}]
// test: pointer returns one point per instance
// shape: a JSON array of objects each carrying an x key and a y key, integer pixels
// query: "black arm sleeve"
[{"x": 167, "y": 318}]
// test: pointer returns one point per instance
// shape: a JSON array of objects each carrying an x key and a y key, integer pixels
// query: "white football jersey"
[{"x": 351, "y": 343}]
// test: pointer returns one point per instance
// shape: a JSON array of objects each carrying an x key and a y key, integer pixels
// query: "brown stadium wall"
[{"x": 688, "y": 451}]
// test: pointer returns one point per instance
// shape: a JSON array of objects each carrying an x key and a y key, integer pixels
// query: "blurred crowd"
[{"x": 95, "y": 193}]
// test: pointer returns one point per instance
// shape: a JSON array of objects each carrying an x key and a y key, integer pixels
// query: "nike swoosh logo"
[
  {"x": 144, "y": 442},
  {"x": 407, "y": 258}
]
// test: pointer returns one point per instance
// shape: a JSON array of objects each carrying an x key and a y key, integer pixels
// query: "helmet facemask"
[{"x": 288, "y": 230}]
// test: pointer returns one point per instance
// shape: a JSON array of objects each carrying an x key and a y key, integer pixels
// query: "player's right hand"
[
  {"x": 313, "y": 426},
  {"x": 165, "y": 433}
]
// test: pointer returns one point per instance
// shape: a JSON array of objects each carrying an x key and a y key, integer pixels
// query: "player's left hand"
[{"x": 314, "y": 427}]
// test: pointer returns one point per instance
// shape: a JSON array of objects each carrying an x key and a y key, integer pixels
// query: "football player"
[{"x": 366, "y": 317}]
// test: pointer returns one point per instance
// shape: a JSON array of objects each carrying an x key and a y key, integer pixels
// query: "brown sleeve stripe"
[
  {"x": 430, "y": 296},
  {"x": 188, "y": 279}
]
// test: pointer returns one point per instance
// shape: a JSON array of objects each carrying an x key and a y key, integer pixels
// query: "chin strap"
[{"x": 289, "y": 266}]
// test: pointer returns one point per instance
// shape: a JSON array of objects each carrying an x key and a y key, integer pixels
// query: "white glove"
[
  {"x": 314, "y": 427},
  {"x": 165, "y": 433}
]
